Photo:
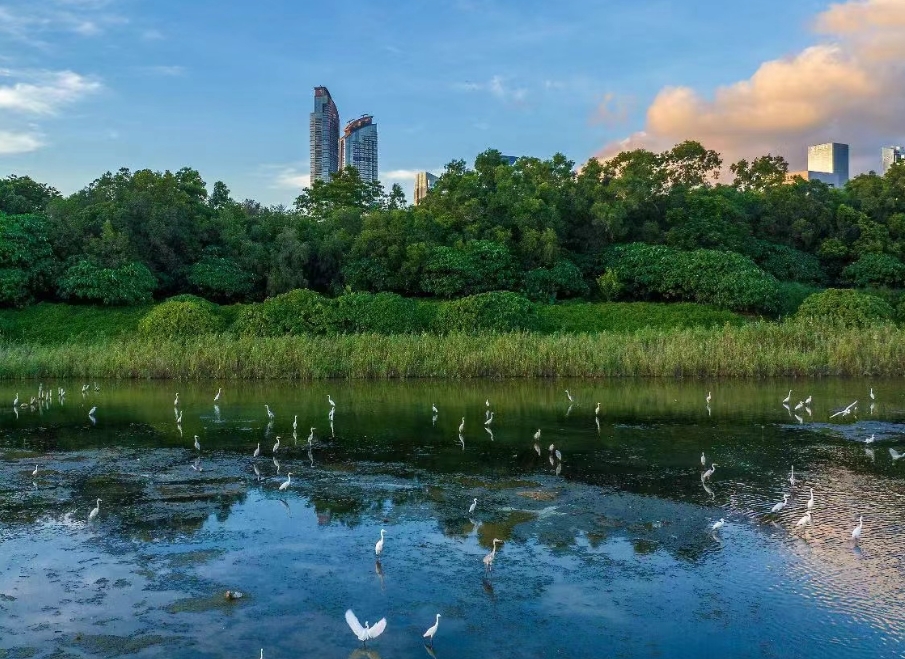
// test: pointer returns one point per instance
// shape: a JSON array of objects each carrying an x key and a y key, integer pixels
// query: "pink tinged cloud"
[{"x": 849, "y": 88}]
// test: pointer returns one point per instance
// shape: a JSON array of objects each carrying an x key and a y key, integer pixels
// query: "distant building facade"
[
  {"x": 324, "y": 135},
  {"x": 510, "y": 159},
  {"x": 358, "y": 147},
  {"x": 828, "y": 163},
  {"x": 424, "y": 181},
  {"x": 889, "y": 156}
]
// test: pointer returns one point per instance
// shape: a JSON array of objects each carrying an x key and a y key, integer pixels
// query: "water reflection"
[{"x": 628, "y": 506}]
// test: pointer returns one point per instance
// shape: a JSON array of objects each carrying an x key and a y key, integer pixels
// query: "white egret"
[
  {"x": 709, "y": 398},
  {"x": 487, "y": 402},
  {"x": 799, "y": 419},
  {"x": 92, "y": 411},
  {"x": 276, "y": 463},
  {"x": 276, "y": 447},
  {"x": 331, "y": 413},
  {"x": 785, "y": 401},
  {"x": 804, "y": 520},
  {"x": 330, "y": 400},
  {"x": 197, "y": 444},
  {"x": 179, "y": 418},
  {"x": 489, "y": 558},
  {"x": 869, "y": 440},
  {"x": 257, "y": 451},
  {"x": 807, "y": 401},
  {"x": 486, "y": 414},
  {"x": 489, "y": 420},
  {"x": 537, "y": 435},
  {"x": 554, "y": 452},
  {"x": 311, "y": 436},
  {"x": 597, "y": 410},
  {"x": 462, "y": 426},
  {"x": 792, "y": 479},
  {"x": 856, "y": 533},
  {"x": 811, "y": 500},
  {"x": 429, "y": 634},
  {"x": 474, "y": 504},
  {"x": 176, "y": 401},
  {"x": 295, "y": 423},
  {"x": 799, "y": 405},
  {"x": 434, "y": 409},
  {"x": 285, "y": 486},
  {"x": 270, "y": 415},
  {"x": 716, "y": 526},
  {"x": 708, "y": 490},
  {"x": 219, "y": 391},
  {"x": 16, "y": 400},
  {"x": 537, "y": 448},
  {"x": 894, "y": 454},
  {"x": 94, "y": 511},
  {"x": 703, "y": 459},
  {"x": 782, "y": 504},
  {"x": 707, "y": 474},
  {"x": 569, "y": 396},
  {"x": 365, "y": 634},
  {"x": 378, "y": 548},
  {"x": 872, "y": 397}
]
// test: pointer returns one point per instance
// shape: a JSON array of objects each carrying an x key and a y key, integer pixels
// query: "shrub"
[
  {"x": 582, "y": 317},
  {"x": 791, "y": 295},
  {"x": 845, "y": 307},
  {"x": 297, "y": 312},
  {"x": 129, "y": 284},
  {"x": 221, "y": 279},
  {"x": 179, "y": 319},
  {"x": 609, "y": 285},
  {"x": 26, "y": 259},
  {"x": 381, "y": 313},
  {"x": 724, "y": 279},
  {"x": 788, "y": 264},
  {"x": 479, "y": 266},
  {"x": 875, "y": 270},
  {"x": 563, "y": 280},
  {"x": 499, "y": 311}
]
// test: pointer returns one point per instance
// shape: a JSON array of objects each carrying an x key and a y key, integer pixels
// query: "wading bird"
[
  {"x": 94, "y": 511},
  {"x": 489, "y": 420},
  {"x": 257, "y": 451},
  {"x": 330, "y": 400},
  {"x": 489, "y": 558},
  {"x": 219, "y": 391},
  {"x": 276, "y": 447},
  {"x": 856, "y": 533},
  {"x": 35, "y": 472},
  {"x": 894, "y": 454},
  {"x": 487, "y": 402},
  {"x": 782, "y": 504},
  {"x": 569, "y": 396},
  {"x": 811, "y": 501},
  {"x": 785, "y": 401},
  {"x": 716, "y": 526},
  {"x": 869, "y": 440},
  {"x": 365, "y": 634},
  {"x": 179, "y": 418},
  {"x": 707, "y": 474},
  {"x": 474, "y": 504},
  {"x": 597, "y": 410},
  {"x": 807, "y": 401},
  {"x": 311, "y": 436},
  {"x": 434, "y": 409},
  {"x": 872, "y": 397},
  {"x": 16, "y": 400},
  {"x": 285, "y": 486},
  {"x": 703, "y": 459},
  {"x": 554, "y": 452},
  {"x": 537, "y": 435},
  {"x": 799, "y": 405},
  {"x": 176, "y": 400},
  {"x": 429, "y": 634},
  {"x": 197, "y": 444},
  {"x": 270, "y": 415},
  {"x": 792, "y": 479},
  {"x": 709, "y": 398},
  {"x": 804, "y": 520},
  {"x": 462, "y": 426},
  {"x": 92, "y": 411},
  {"x": 295, "y": 423},
  {"x": 378, "y": 548}
]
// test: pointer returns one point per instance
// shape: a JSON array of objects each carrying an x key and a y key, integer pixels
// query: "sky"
[{"x": 89, "y": 86}]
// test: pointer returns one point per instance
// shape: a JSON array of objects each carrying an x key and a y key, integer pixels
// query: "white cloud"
[
  {"x": 498, "y": 87},
  {"x": 849, "y": 87},
  {"x": 290, "y": 178},
  {"x": 170, "y": 71},
  {"x": 12, "y": 143},
  {"x": 397, "y": 175},
  {"x": 27, "y": 21},
  {"x": 47, "y": 93}
]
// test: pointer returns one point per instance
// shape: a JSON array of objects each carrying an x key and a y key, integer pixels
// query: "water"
[{"x": 606, "y": 553}]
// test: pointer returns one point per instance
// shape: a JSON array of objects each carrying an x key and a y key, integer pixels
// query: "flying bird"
[{"x": 365, "y": 634}]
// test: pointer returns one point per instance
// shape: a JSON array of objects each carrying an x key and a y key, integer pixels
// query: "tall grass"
[{"x": 753, "y": 350}]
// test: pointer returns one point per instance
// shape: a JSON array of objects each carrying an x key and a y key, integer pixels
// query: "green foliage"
[
  {"x": 129, "y": 284},
  {"x": 875, "y": 270},
  {"x": 380, "y": 313},
  {"x": 26, "y": 259},
  {"x": 845, "y": 307},
  {"x": 791, "y": 295},
  {"x": 631, "y": 316},
  {"x": 297, "y": 312},
  {"x": 499, "y": 311},
  {"x": 788, "y": 264},
  {"x": 723, "y": 279},
  {"x": 53, "y": 323},
  {"x": 609, "y": 285},
  {"x": 221, "y": 279},
  {"x": 177, "y": 319},
  {"x": 479, "y": 266},
  {"x": 20, "y": 195},
  {"x": 563, "y": 280}
]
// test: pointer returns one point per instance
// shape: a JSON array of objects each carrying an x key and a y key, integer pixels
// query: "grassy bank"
[{"x": 753, "y": 350}]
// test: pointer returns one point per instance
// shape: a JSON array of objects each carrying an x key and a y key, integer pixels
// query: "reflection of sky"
[{"x": 619, "y": 552}]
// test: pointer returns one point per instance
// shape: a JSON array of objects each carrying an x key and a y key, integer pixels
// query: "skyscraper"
[
  {"x": 424, "y": 181},
  {"x": 324, "y": 129},
  {"x": 828, "y": 163},
  {"x": 889, "y": 156},
  {"x": 358, "y": 147}
]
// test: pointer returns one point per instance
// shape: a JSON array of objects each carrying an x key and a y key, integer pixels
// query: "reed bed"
[{"x": 756, "y": 350}]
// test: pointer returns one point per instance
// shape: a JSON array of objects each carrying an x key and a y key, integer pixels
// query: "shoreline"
[{"x": 756, "y": 350}]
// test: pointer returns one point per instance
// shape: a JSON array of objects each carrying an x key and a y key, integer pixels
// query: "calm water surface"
[{"x": 607, "y": 552}]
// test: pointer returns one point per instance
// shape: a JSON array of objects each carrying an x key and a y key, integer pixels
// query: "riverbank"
[{"x": 754, "y": 350}]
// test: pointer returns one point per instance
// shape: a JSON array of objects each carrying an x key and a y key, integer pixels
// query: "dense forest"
[{"x": 642, "y": 226}]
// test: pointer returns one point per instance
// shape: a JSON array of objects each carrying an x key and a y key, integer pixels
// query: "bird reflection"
[
  {"x": 35, "y": 485},
  {"x": 364, "y": 653},
  {"x": 708, "y": 410},
  {"x": 894, "y": 454},
  {"x": 378, "y": 568},
  {"x": 489, "y": 432},
  {"x": 872, "y": 408},
  {"x": 537, "y": 448},
  {"x": 488, "y": 588},
  {"x": 276, "y": 464},
  {"x": 434, "y": 420},
  {"x": 597, "y": 421},
  {"x": 430, "y": 651},
  {"x": 217, "y": 412},
  {"x": 92, "y": 419},
  {"x": 462, "y": 441},
  {"x": 569, "y": 411},
  {"x": 332, "y": 434},
  {"x": 179, "y": 428},
  {"x": 295, "y": 438},
  {"x": 310, "y": 456},
  {"x": 558, "y": 469},
  {"x": 799, "y": 419},
  {"x": 286, "y": 506},
  {"x": 16, "y": 410},
  {"x": 869, "y": 452},
  {"x": 269, "y": 429},
  {"x": 808, "y": 410},
  {"x": 708, "y": 490},
  {"x": 257, "y": 472}
]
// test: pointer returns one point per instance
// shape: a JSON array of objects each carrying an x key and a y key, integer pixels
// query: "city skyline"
[
  {"x": 358, "y": 147},
  {"x": 92, "y": 86}
]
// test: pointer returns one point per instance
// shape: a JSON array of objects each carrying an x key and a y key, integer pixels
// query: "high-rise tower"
[
  {"x": 324, "y": 128},
  {"x": 889, "y": 156},
  {"x": 358, "y": 147},
  {"x": 829, "y": 163}
]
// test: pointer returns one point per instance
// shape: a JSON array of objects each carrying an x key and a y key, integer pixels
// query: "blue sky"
[{"x": 88, "y": 86}]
